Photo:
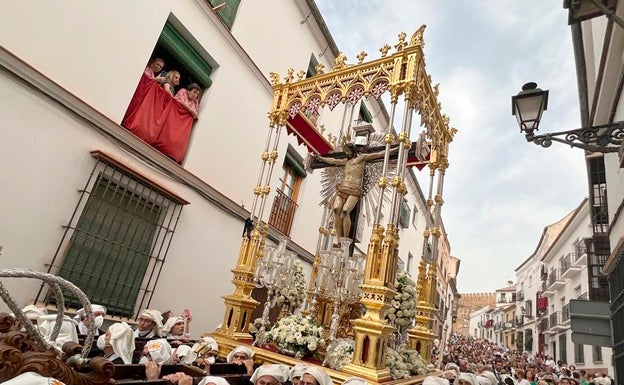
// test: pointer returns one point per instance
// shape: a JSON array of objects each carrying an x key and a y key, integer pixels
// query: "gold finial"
[
  {"x": 436, "y": 90},
  {"x": 401, "y": 45},
  {"x": 322, "y": 128},
  {"x": 300, "y": 74},
  {"x": 361, "y": 56},
  {"x": 417, "y": 37},
  {"x": 340, "y": 62},
  {"x": 320, "y": 68},
  {"x": 289, "y": 77},
  {"x": 384, "y": 50},
  {"x": 275, "y": 78}
]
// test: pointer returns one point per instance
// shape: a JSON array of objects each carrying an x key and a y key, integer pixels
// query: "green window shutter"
[
  {"x": 171, "y": 39},
  {"x": 365, "y": 113},
  {"x": 228, "y": 13},
  {"x": 294, "y": 162},
  {"x": 109, "y": 251}
]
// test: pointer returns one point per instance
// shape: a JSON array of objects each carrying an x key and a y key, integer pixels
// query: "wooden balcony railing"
[{"x": 282, "y": 213}]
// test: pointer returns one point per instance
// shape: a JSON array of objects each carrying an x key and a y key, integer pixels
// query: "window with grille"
[
  {"x": 596, "y": 353},
  {"x": 598, "y": 197},
  {"x": 404, "y": 214},
  {"x": 579, "y": 353},
  {"x": 117, "y": 239}
]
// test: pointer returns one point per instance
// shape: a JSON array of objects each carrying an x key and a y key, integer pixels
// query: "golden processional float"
[{"x": 296, "y": 104}]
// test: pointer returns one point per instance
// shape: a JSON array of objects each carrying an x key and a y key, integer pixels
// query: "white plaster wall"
[
  {"x": 100, "y": 59},
  {"x": 46, "y": 161},
  {"x": 289, "y": 43}
]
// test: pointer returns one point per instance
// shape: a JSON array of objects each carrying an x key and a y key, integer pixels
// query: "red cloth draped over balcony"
[
  {"x": 542, "y": 302},
  {"x": 158, "y": 119}
]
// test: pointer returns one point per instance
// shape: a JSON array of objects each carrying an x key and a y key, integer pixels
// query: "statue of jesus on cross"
[{"x": 349, "y": 191}]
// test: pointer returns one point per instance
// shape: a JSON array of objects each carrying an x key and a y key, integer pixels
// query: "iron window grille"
[{"x": 116, "y": 241}]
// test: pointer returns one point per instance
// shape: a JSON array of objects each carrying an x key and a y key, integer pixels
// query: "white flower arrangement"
[
  {"x": 297, "y": 334},
  {"x": 403, "y": 306},
  {"x": 405, "y": 362},
  {"x": 339, "y": 353},
  {"x": 291, "y": 292},
  {"x": 256, "y": 325}
]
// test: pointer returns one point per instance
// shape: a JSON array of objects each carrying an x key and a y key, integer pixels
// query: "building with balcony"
[
  {"x": 481, "y": 324},
  {"x": 557, "y": 272},
  {"x": 597, "y": 36},
  {"x": 111, "y": 183},
  {"x": 506, "y": 295}
]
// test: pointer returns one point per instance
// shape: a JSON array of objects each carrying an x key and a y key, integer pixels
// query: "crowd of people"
[
  {"x": 167, "y": 342},
  {"x": 465, "y": 360},
  {"x": 188, "y": 97},
  {"x": 468, "y": 360}
]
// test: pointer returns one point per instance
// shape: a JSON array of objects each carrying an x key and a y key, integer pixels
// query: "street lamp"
[{"x": 528, "y": 106}]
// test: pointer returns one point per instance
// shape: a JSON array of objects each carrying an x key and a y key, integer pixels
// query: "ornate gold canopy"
[{"x": 294, "y": 104}]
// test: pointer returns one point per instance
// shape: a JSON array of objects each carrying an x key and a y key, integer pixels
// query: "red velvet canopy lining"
[{"x": 158, "y": 119}]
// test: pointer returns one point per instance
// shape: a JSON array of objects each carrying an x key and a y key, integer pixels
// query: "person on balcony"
[
  {"x": 172, "y": 80},
  {"x": 153, "y": 68},
  {"x": 189, "y": 98}
]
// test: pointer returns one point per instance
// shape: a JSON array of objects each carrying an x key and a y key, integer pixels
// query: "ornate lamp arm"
[{"x": 604, "y": 138}]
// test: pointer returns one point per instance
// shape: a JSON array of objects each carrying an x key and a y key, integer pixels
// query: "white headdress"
[
  {"x": 468, "y": 377},
  {"x": 321, "y": 376},
  {"x": 31, "y": 378},
  {"x": 213, "y": 380},
  {"x": 121, "y": 340},
  {"x": 155, "y": 316},
  {"x": 239, "y": 349},
  {"x": 66, "y": 334},
  {"x": 297, "y": 371},
  {"x": 490, "y": 376},
  {"x": 277, "y": 371},
  {"x": 160, "y": 351},
  {"x": 32, "y": 312},
  {"x": 435, "y": 380},
  {"x": 186, "y": 355}
]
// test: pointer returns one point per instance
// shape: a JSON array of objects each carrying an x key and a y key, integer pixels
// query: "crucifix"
[{"x": 349, "y": 190}]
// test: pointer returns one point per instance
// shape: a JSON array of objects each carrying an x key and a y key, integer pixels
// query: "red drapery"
[{"x": 158, "y": 119}]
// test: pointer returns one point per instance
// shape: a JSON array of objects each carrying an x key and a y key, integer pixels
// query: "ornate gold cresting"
[{"x": 400, "y": 73}]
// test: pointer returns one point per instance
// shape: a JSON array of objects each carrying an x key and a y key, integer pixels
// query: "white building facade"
[{"x": 85, "y": 198}]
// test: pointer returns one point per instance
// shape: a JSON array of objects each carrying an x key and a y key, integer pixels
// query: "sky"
[{"x": 499, "y": 191}]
